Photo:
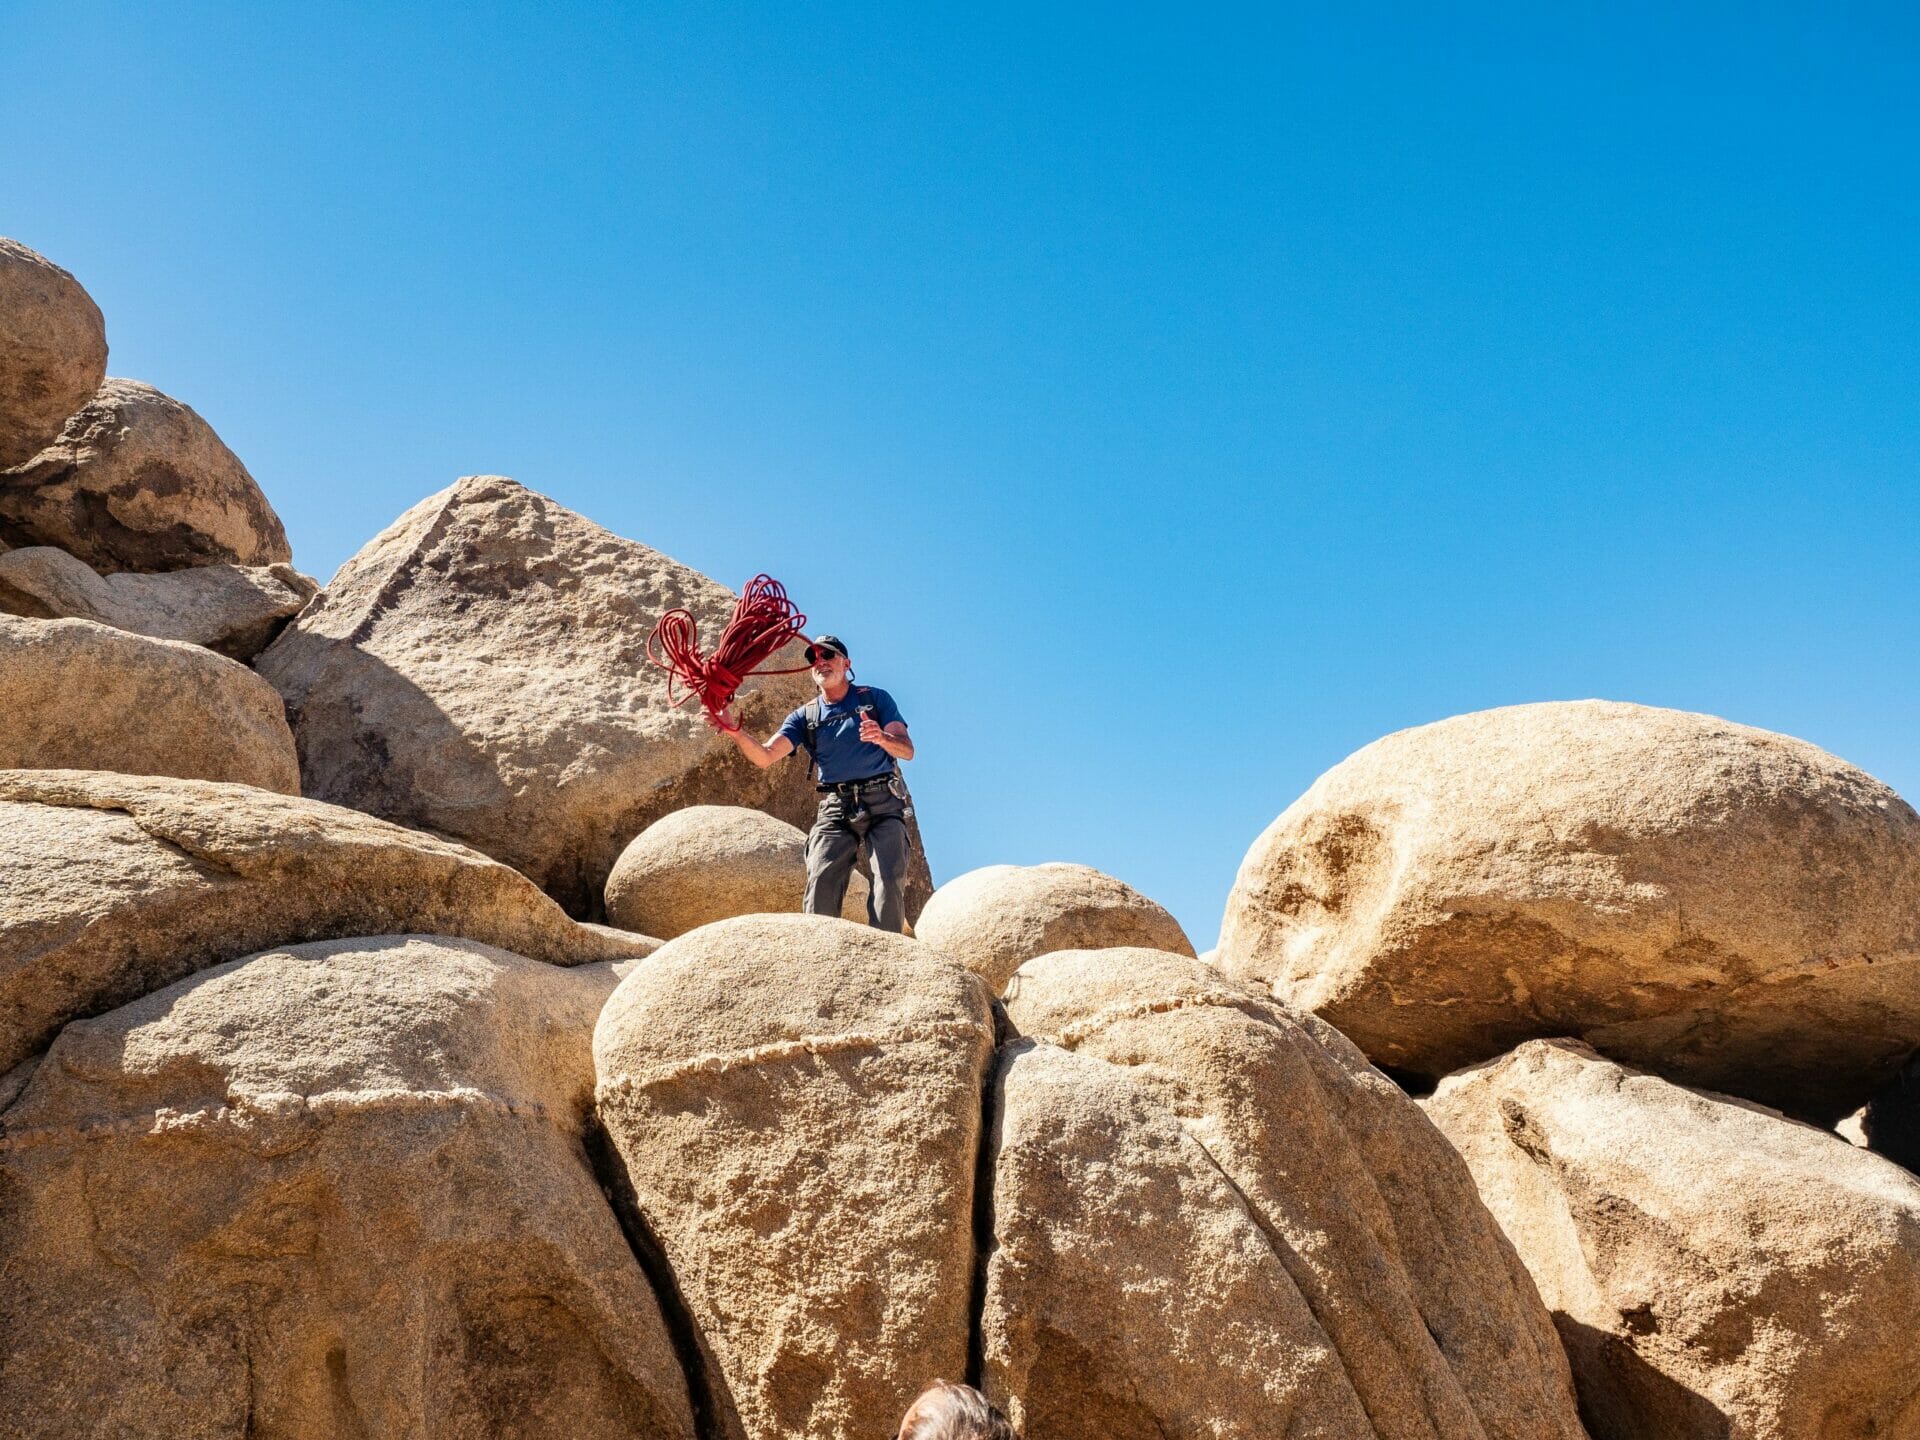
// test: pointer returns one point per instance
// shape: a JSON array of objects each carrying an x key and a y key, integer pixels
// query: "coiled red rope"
[{"x": 764, "y": 619}]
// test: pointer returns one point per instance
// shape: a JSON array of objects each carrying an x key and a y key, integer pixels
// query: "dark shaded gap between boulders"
[
  {"x": 13, "y": 1084},
  {"x": 715, "y": 1416},
  {"x": 986, "y": 1159},
  {"x": 1623, "y": 1397}
]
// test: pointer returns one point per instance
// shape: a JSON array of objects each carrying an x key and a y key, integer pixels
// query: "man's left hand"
[{"x": 870, "y": 731}]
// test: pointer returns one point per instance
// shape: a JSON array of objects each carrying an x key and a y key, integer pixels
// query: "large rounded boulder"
[
  {"x": 75, "y": 695},
  {"x": 53, "y": 351},
  {"x": 1715, "y": 1269},
  {"x": 339, "y": 1189},
  {"x": 480, "y": 669},
  {"x": 997, "y": 918},
  {"x": 116, "y": 885},
  {"x": 1726, "y": 906},
  {"x": 1212, "y": 1219},
  {"x": 797, "y": 1104},
  {"x": 138, "y": 481},
  {"x": 713, "y": 862}
]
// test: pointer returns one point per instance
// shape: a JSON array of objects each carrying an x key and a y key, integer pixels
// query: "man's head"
[
  {"x": 945, "y": 1411},
  {"x": 827, "y": 658}
]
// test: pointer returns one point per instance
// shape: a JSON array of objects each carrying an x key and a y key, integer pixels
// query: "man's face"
[{"x": 828, "y": 667}]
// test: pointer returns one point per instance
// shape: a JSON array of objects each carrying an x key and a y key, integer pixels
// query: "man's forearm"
[
  {"x": 751, "y": 748},
  {"x": 900, "y": 747}
]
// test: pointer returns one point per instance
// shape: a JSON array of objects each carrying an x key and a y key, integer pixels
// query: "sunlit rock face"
[
  {"x": 1725, "y": 906},
  {"x": 336, "y": 1189}
]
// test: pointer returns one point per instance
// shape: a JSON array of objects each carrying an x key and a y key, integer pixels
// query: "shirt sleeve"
[
  {"x": 884, "y": 710},
  {"x": 794, "y": 727}
]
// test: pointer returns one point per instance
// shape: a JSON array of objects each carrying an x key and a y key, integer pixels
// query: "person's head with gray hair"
[{"x": 945, "y": 1411}]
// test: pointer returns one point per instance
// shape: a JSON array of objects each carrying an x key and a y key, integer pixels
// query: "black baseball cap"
[{"x": 833, "y": 644}]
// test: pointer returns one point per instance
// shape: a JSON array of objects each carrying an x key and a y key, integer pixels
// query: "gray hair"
[{"x": 956, "y": 1412}]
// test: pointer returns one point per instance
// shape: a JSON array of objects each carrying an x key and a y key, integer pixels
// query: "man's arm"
[
  {"x": 893, "y": 739},
  {"x": 778, "y": 748}
]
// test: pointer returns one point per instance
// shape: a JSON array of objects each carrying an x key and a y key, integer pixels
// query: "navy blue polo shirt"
[{"x": 840, "y": 752}]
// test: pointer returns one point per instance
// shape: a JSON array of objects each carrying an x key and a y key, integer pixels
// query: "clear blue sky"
[{"x": 1162, "y": 402}]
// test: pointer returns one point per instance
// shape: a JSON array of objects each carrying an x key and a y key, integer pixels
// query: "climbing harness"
[{"x": 764, "y": 619}]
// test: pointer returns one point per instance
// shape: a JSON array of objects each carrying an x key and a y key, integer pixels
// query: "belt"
[{"x": 882, "y": 778}]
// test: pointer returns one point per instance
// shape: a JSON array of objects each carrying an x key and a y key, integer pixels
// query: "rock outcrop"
[
  {"x": 234, "y": 609},
  {"x": 797, "y": 1102},
  {"x": 138, "y": 481},
  {"x": 479, "y": 669},
  {"x": 79, "y": 696},
  {"x": 997, "y": 918},
  {"x": 116, "y": 885},
  {"x": 332, "y": 1190},
  {"x": 1180, "y": 1160},
  {"x": 1729, "y": 907},
  {"x": 1716, "y": 1270},
  {"x": 53, "y": 351},
  {"x": 713, "y": 862}
]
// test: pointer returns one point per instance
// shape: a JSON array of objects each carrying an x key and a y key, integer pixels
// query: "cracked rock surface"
[
  {"x": 1213, "y": 1218},
  {"x": 1726, "y": 906},
  {"x": 115, "y": 885},
  {"x": 1716, "y": 1270},
  {"x": 336, "y": 1189},
  {"x": 797, "y": 1103}
]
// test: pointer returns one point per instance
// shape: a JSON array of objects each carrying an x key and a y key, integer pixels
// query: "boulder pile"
[{"x": 329, "y": 1107}]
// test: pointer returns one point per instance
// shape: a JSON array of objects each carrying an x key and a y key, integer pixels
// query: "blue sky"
[{"x": 1163, "y": 403}]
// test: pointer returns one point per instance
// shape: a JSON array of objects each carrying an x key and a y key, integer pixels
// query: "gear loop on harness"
[{"x": 764, "y": 619}]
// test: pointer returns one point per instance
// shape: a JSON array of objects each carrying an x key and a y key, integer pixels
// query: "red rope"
[{"x": 764, "y": 619}]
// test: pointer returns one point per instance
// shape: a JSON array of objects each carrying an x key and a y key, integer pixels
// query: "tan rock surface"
[
  {"x": 713, "y": 862},
  {"x": 112, "y": 886},
  {"x": 79, "y": 696},
  {"x": 138, "y": 481},
  {"x": 332, "y": 1190},
  {"x": 53, "y": 351},
  {"x": 234, "y": 609},
  {"x": 1212, "y": 1218},
  {"x": 1716, "y": 1270},
  {"x": 1727, "y": 906},
  {"x": 479, "y": 669},
  {"x": 997, "y": 918},
  {"x": 797, "y": 1101}
]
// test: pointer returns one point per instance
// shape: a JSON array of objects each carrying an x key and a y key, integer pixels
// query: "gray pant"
[{"x": 845, "y": 818}]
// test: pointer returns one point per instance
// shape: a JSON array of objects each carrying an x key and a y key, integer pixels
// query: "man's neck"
[{"x": 834, "y": 694}]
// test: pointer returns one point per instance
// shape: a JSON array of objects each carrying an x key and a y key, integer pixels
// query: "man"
[
  {"x": 855, "y": 737},
  {"x": 945, "y": 1411}
]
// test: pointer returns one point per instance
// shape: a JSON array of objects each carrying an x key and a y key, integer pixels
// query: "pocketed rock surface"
[
  {"x": 75, "y": 695},
  {"x": 997, "y": 918},
  {"x": 138, "y": 481},
  {"x": 1715, "y": 1269},
  {"x": 713, "y": 862},
  {"x": 1728, "y": 907},
  {"x": 337, "y": 1189},
  {"x": 480, "y": 669},
  {"x": 116, "y": 885},
  {"x": 232, "y": 609},
  {"x": 1180, "y": 1160},
  {"x": 797, "y": 1103}
]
